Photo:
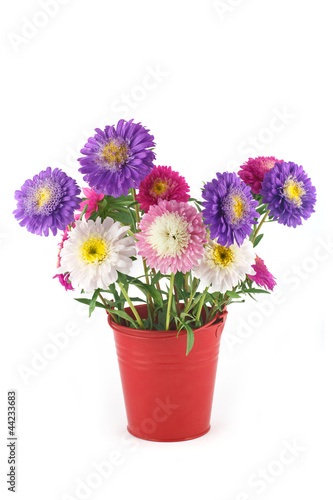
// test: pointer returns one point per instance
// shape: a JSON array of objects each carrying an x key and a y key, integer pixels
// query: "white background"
[{"x": 209, "y": 81}]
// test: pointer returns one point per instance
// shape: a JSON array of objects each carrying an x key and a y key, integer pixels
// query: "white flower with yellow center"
[
  {"x": 94, "y": 253},
  {"x": 225, "y": 267}
]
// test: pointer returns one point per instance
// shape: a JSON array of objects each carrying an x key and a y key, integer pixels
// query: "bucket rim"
[{"x": 133, "y": 332}]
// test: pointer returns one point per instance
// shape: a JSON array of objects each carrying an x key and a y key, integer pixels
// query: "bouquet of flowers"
[{"x": 198, "y": 256}]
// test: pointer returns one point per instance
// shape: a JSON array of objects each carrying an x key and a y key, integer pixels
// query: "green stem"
[
  {"x": 167, "y": 321},
  {"x": 186, "y": 281},
  {"x": 213, "y": 309},
  {"x": 259, "y": 227},
  {"x": 130, "y": 303},
  {"x": 194, "y": 288},
  {"x": 177, "y": 299},
  {"x": 137, "y": 213},
  {"x": 198, "y": 316},
  {"x": 131, "y": 233},
  {"x": 114, "y": 319},
  {"x": 150, "y": 300}
]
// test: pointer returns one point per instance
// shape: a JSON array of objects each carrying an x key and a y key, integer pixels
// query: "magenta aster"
[
  {"x": 262, "y": 275},
  {"x": 162, "y": 183},
  {"x": 64, "y": 279},
  {"x": 64, "y": 237},
  {"x": 92, "y": 201},
  {"x": 253, "y": 171},
  {"x": 172, "y": 236}
]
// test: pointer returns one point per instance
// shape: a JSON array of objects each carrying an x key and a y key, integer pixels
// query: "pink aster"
[
  {"x": 172, "y": 236},
  {"x": 262, "y": 275},
  {"x": 253, "y": 171},
  {"x": 64, "y": 278},
  {"x": 65, "y": 236},
  {"x": 64, "y": 281},
  {"x": 92, "y": 201},
  {"x": 162, "y": 183}
]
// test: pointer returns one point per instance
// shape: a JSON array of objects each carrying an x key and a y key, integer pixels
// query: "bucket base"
[{"x": 169, "y": 440}]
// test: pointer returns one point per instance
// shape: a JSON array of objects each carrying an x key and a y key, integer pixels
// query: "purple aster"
[
  {"x": 118, "y": 158},
  {"x": 229, "y": 209},
  {"x": 47, "y": 201},
  {"x": 289, "y": 193}
]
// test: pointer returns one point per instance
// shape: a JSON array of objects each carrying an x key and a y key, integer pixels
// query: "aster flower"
[
  {"x": 64, "y": 237},
  {"x": 172, "y": 236},
  {"x": 262, "y": 275},
  {"x": 118, "y": 158},
  {"x": 289, "y": 193},
  {"x": 162, "y": 184},
  {"x": 224, "y": 267},
  {"x": 64, "y": 280},
  {"x": 253, "y": 171},
  {"x": 47, "y": 202},
  {"x": 229, "y": 209},
  {"x": 94, "y": 253},
  {"x": 92, "y": 201}
]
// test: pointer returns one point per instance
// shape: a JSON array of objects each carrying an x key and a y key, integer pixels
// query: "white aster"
[
  {"x": 94, "y": 253},
  {"x": 224, "y": 267}
]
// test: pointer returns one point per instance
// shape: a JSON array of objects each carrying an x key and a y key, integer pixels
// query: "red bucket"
[{"x": 168, "y": 395}]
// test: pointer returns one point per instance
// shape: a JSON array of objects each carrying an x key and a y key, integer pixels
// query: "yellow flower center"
[
  {"x": 114, "y": 153},
  {"x": 222, "y": 256},
  {"x": 94, "y": 250},
  {"x": 293, "y": 191},
  {"x": 42, "y": 196},
  {"x": 159, "y": 187},
  {"x": 237, "y": 206}
]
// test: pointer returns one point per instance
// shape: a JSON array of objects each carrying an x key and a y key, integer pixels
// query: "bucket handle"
[{"x": 221, "y": 318}]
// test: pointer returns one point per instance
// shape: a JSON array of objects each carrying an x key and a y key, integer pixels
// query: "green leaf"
[
  {"x": 195, "y": 201},
  {"x": 262, "y": 209},
  {"x": 92, "y": 304},
  {"x": 190, "y": 338},
  {"x": 117, "y": 202},
  {"x": 148, "y": 290},
  {"x": 253, "y": 290},
  {"x": 161, "y": 318},
  {"x": 233, "y": 295},
  {"x": 87, "y": 303},
  {"x": 179, "y": 280},
  {"x": 173, "y": 306},
  {"x": 124, "y": 217},
  {"x": 124, "y": 315},
  {"x": 123, "y": 278},
  {"x": 102, "y": 203},
  {"x": 85, "y": 208},
  {"x": 257, "y": 240},
  {"x": 183, "y": 316},
  {"x": 179, "y": 284},
  {"x": 156, "y": 278},
  {"x": 113, "y": 290}
]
